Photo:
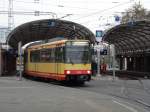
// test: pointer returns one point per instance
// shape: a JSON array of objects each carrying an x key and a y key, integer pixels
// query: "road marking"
[
  {"x": 123, "y": 105},
  {"x": 144, "y": 103}
]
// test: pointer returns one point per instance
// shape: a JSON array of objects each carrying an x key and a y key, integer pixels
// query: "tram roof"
[
  {"x": 48, "y": 29},
  {"x": 130, "y": 37}
]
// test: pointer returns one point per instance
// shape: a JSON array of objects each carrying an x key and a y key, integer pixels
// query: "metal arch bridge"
[{"x": 48, "y": 29}]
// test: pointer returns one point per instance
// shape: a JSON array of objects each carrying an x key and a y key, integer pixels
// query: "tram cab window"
[{"x": 78, "y": 53}]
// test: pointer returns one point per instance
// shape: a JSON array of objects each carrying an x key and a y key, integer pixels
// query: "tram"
[{"x": 62, "y": 60}]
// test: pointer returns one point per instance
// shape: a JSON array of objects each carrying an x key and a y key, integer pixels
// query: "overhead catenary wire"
[
  {"x": 104, "y": 10},
  {"x": 73, "y": 7},
  {"x": 76, "y": 14},
  {"x": 64, "y": 6},
  {"x": 27, "y": 13}
]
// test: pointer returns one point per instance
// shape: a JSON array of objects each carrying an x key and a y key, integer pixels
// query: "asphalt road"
[
  {"x": 33, "y": 96},
  {"x": 133, "y": 91}
]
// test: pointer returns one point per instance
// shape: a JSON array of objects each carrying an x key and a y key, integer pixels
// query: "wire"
[
  {"x": 50, "y": 4},
  {"x": 104, "y": 10},
  {"x": 24, "y": 1},
  {"x": 63, "y": 6},
  {"x": 30, "y": 13}
]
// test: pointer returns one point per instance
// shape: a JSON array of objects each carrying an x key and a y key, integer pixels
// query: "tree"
[{"x": 135, "y": 13}]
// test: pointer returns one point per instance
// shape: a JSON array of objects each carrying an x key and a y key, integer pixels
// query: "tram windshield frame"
[{"x": 77, "y": 52}]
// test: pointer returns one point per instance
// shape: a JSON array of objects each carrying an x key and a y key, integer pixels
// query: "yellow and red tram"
[{"x": 60, "y": 60}]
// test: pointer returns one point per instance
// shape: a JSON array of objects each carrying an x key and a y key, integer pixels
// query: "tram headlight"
[
  {"x": 88, "y": 71},
  {"x": 68, "y": 72}
]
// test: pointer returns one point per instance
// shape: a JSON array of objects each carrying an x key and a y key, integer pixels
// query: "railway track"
[
  {"x": 130, "y": 74},
  {"x": 126, "y": 90},
  {"x": 130, "y": 97}
]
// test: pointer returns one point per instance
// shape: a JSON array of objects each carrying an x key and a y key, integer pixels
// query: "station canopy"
[
  {"x": 130, "y": 38},
  {"x": 48, "y": 29}
]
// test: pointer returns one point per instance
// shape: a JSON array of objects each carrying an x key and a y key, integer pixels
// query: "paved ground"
[
  {"x": 133, "y": 91},
  {"x": 32, "y": 96}
]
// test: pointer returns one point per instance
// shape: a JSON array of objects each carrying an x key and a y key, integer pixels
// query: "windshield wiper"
[
  {"x": 85, "y": 61},
  {"x": 71, "y": 62}
]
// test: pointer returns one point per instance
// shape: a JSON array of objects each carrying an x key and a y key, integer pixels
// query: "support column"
[
  {"x": 141, "y": 64},
  {"x": 125, "y": 63},
  {"x": 137, "y": 66},
  {"x": 121, "y": 63},
  {"x": 134, "y": 63},
  {"x": 146, "y": 63},
  {"x": 20, "y": 59},
  {"x": 128, "y": 63}
]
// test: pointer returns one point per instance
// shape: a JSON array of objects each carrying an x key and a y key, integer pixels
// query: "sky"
[{"x": 93, "y": 14}]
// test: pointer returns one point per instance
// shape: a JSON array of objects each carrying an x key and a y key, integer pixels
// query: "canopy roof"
[
  {"x": 131, "y": 37},
  {"x": 48, "y": 29}
]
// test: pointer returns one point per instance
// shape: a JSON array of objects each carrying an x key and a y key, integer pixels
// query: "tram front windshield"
[{"x": 77, "y": 53}]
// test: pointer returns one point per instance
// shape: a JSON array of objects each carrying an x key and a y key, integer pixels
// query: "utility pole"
[
  {"x": 98, "y": 61},
  {"x": 10, "y": 19},
  {"x": 98, "y": 48},
  {"x": 113, "y": 60},
  {"x": 10, "y": 16},
  {"x": 20, "y": 59}
]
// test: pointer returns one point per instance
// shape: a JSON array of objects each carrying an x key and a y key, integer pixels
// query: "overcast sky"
[{"x": 93, "y": 14}]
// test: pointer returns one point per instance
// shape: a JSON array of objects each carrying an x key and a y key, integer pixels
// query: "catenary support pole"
[
  {"x": 113, "y": 60},
  {"x": 98, "y": 61},
  {"x": 20, "y": 59}
]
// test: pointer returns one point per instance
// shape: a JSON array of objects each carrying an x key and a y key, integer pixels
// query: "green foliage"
[{"x": 135, "y": 13}]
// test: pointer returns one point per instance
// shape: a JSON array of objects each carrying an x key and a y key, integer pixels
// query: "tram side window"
[
  {"x": 62, "y": 54},
  {"x": 52, "y": 55},
  {"x": 56, "y": 54},
  {"x": 59, "y": 54},
  {"x": 35, "y": 56},
  {"x": 45, "y": 55}
]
